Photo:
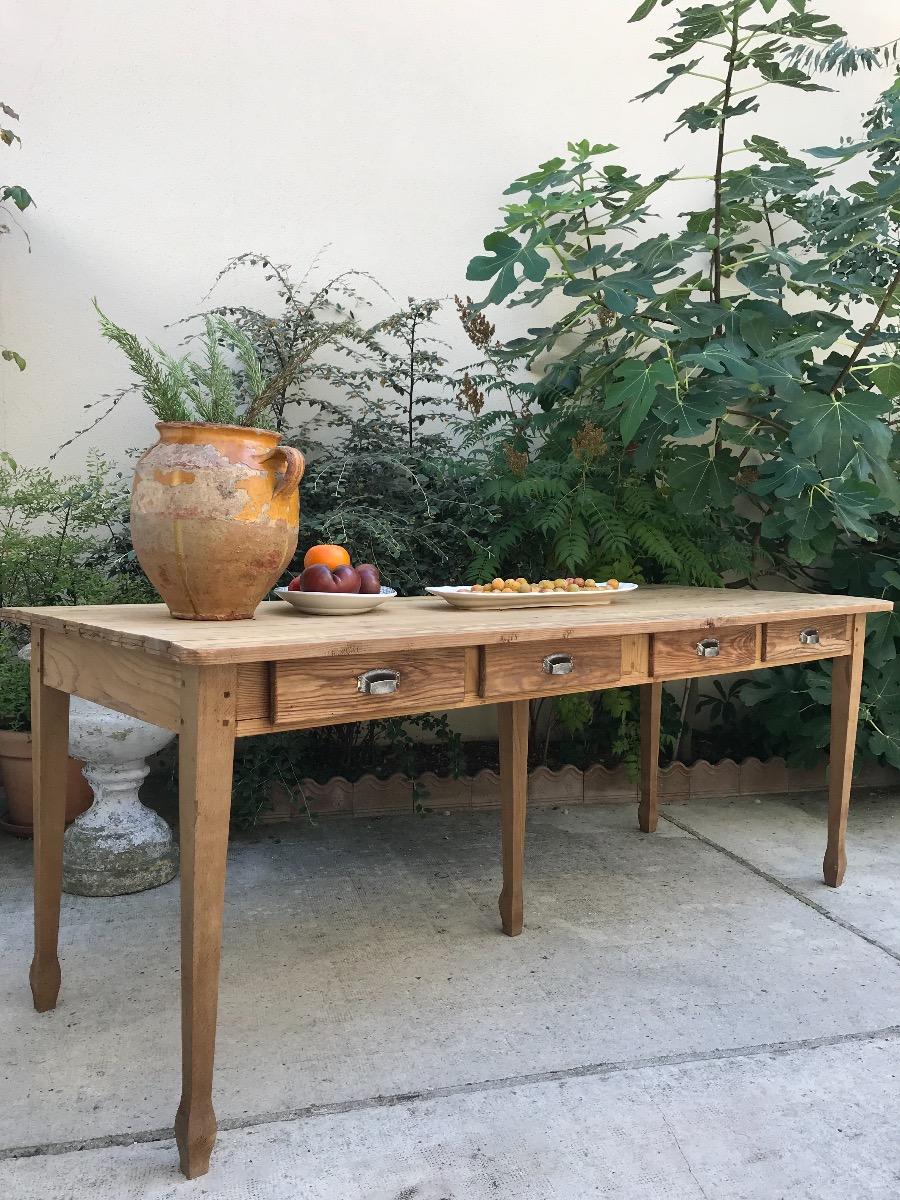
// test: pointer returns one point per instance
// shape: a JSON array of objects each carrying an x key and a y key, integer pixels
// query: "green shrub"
[{"x": 742, "y": 367}]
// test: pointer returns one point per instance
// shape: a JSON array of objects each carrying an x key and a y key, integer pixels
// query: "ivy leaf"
[
  {"x": 506, "y": 253},
  {"x": 854, "y": 503},
  {"x": 19, "y": 196},
  {"x": 620, "y": 289},
  {"x": 691, "y": 412},
  {"x": 808, "y": 515},
  {"x": 829, "y": 426},
  {"x": 635, "y": 389},
  {"x": 782, "y": 374},
  {"x": 759, "y": 322},
  {"x": 887, "y": 379},
  {"x": 672, "y": 73},
  {"x": 882, "y": 634},
  {"x": 642, "y": 10},
  {"x": 773, "y": 72},
  {"x": 784, "y": 477},
  {"x": 13, "y": 356},
  {"x": 758, "y": 278},
  {"x": 768, "y": 149},
  {"x": 728, "y": 354},
  {"x": 882, "y": 474},
  {"x": 647, "y": 453},
  {"x": 699, "y": 480}
]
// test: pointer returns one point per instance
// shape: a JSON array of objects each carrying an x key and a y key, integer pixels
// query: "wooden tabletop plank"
[{"x": 280, "y": 632}]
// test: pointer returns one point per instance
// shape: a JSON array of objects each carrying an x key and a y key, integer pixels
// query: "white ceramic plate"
[
  {"x": 464, "y": 597},
  {"x": 334, "y": 604}
]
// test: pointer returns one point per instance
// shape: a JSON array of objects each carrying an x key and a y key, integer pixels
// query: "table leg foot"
[
  {"x": 846, "y": 682},
  {"x": 45, "y": 977},
  {"x": 512, "y": 910},
  {"x": 513, "y": 722},
  {"x": 195, "y": 1133},
  {"x": 651, "y": 707},
  {"x": 833, "y": 868}
]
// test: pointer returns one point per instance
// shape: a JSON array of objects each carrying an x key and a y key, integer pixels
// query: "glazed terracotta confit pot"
[{"x": 215, "y": 513}]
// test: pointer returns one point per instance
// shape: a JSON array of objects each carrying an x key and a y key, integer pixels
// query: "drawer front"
[
  {"x": 787, "y": 641},
  {"x": 550, "y": 668},
  {"x": 357, "y": 687},
  {"x": 703, "y": 651}
]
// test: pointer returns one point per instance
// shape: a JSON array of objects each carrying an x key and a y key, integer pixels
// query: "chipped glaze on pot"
[{"x": 215, "y": 514}]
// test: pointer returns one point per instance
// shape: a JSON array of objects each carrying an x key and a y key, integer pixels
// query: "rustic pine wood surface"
[
  {"x": 280, "y": 632},
  {"x": 212, "y": 682}
]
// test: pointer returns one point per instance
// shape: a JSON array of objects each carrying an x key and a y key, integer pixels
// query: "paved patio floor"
[{"x": 689, "y": 1016}]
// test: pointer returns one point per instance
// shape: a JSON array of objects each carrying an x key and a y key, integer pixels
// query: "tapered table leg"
[
  {"x": 513, "y": 718},
  {"x": 205, "y": 758},
  {"x": 846, "y": 681},
  {"x": 651, "y": 707},
  {"x": 50, "y": 750}
]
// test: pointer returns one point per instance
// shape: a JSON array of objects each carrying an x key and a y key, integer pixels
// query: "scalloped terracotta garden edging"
[{"x": 370, "y": 796}]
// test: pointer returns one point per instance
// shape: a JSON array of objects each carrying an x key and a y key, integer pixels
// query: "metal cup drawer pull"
[
  {"x": 708, "y": 648},
  {"x": 380, "y": 681},
  {"x": 558, "y": 664},
  {"x": 809, "y": 637}
]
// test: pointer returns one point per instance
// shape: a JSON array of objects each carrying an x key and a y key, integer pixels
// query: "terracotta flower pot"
[
  {"x": 215, "y": 514},
  {"x": 15, "y": 772}
]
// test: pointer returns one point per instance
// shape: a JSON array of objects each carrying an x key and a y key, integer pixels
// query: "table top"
[{"x": 281, "y": 632}]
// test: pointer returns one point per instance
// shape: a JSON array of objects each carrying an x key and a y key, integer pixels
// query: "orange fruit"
[{"x": 327, "y": 556}]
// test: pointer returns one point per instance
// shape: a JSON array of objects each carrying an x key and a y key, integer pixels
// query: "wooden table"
[{"x": 212, "y": 682}]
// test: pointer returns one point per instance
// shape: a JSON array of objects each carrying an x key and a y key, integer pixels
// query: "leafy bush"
[
  {"x": 409, "y": 511},
  {"x": 63, "y": 539},
  {"x": 367, "y": 405},
  {"x": 318, "y": 351},
  {"x": 744, "y": 363},
  {"x": 15, "y": 685},
  {"x": 383, "y": 747}
]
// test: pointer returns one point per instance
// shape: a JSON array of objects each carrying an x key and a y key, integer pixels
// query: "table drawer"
[
  {"x": 787, "y": 641},
  {"x": 357, "y": 687},
  {"x": 550, "y": 668},
  {"x": 703, "y": 651}
]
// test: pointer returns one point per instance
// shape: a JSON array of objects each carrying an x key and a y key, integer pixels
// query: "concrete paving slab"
[
  {"x": 805, "y": 1124},
  {"x": 365, "y": 958},
  {"x": 786, "y": 837}
]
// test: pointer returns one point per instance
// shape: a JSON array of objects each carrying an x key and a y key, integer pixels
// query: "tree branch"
[
  {"x": 720, "y": 154},
  {"x": 867, "y": 332}
]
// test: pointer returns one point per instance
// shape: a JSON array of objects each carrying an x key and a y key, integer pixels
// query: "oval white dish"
[
  {"x": 334, "y": 604},
  {"x": 464, "y": 597}
]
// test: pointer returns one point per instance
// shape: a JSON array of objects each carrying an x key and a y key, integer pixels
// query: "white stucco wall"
[{"x": 161, "y": 139}]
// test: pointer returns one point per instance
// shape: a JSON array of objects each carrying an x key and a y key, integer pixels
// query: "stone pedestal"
[{"x": 119, "y": 845}]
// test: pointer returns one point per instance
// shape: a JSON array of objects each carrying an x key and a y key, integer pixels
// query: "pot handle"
[{"x": 294, "y": 467}]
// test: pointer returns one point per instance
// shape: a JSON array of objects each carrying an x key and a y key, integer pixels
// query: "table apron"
[
  {"x": 151, "y": 688},
  {"x": 142, "y": 685},
  {"x": 642, "y": 658}
]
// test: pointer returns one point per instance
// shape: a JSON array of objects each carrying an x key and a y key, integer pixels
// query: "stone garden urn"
[{"x": 119, "y": 845}]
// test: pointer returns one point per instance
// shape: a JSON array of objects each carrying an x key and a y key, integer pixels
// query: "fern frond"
[
  {"x": 160, "y": 388},
  {"x": 249, "y": 359},
  {"x": 656, "y": 545},
  {"x": 218, "y": 379},
  {"x": 572, "y": 546}
]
